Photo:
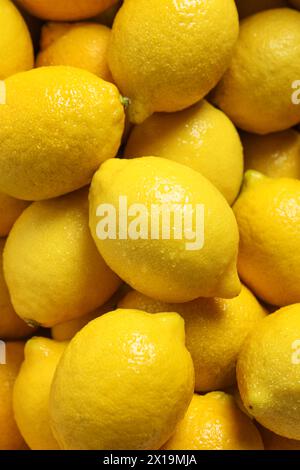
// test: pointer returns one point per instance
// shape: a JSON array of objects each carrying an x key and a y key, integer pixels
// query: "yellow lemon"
[
  {"x": 275, "y": 155},
  {"x": 10, "y": 210},
  {"x": 65, "y": 10},
  {"x": 247, "y": 8},
  {"x": 201, "y": 137},
  {"x": 274, "y": 442},
  {"x": 215, "y": 331},
  {"x": 61, "y": 123},
  {"x": 32, "y": 390},
  {"x": 53, "y": 270},
  {"x": 11, "y": 326},
  {"x": 166, "y": 55},
  {"x": 10, "y": 437},
  {"x": 124, "y": 382},
  {"x": 268, "y": 372},
  {"x": 16, "y": 48},
  {"x": 256, "y": 91},
  {"x": 150, "y": 251},
  {"x": 268, "y": 216},
  {"x": 82, "y": 45},
  {"x": 214, "y": 422}
]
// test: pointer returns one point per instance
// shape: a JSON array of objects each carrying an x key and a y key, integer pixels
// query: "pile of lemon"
[{"x": 116, "y": 342}]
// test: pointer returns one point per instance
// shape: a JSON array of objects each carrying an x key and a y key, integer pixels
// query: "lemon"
[
  {"x": 11, "y": 326},
  {"x": 16, "y": 48},
  {"x": 194, "y": 138},
  {"x": 268, "y": 216},
  {"x": 215, "y": 331},
  {"x": 82, "y": 45},
  {"x": 32, "y": 390},
  {"x": 274, "y": 442},
  {"x": 53, "y": 270},
  {"x": 166, "y": 55},
  {"x": 124, "y": 382},
  {"x": 10, "y": 437},
  {"x": 65, "y": 10},
  {"x": 247, "y": 8},
  {"x": 268, "y": 372},
  {"x": 149, "y": 254},
  {"x": 10, "y": 210},
  {"x": 256, "y": 91},
  {"x": 275, "y": 155},
  {"x": 214, "y": 422},
  {"x": 61, "y": 123}
]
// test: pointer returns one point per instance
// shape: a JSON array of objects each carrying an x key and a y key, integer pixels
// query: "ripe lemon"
[
  {"x": 65, "y": 10},
  {"x": 256, "y": 90},
  {"x": 32, "y": 390},
  {"x": 268, "y": 216},
  {"x": 16, "y": 48},
  {"x": 82, "y": 45},
  {"x": 11, "y": 326},
  {"x": 53, "y": 270},
  {"x": 61, "y": 123},
  {"x": 201, "y": 137},
  {"x": 247, "y": 8},
  {"x": 268, "y": 372},
  {"x": 168, "y": 269},
  {"x": 10, "y": 210},
  {"x": 214, "y": 422},
  {"x": 215, "y": 331},
  {"x": 275, "y": 155},
  {"x": 124, "y": 382},
  {"x": 10, "y": 437},
  {"x": 166, "y": 55},
  {"x": 274, "y": 442}
]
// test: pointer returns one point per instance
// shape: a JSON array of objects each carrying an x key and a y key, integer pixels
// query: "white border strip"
[{"x": 2, "y": 92}]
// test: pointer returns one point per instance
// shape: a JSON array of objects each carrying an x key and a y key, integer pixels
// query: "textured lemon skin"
[
  {"x": 268, "y": 374},
  {"x": 65, "y": 10},
  {"x": 274, "y": 442},
  {"x": 53, "y": 270},
  {"x": 214, "y": 422},
  {"x": 11, "y": 326},
  {"x": 32, "y": 390},
  {"x": 268, "y": 216},
  {"x": 246, "y": 8},
  {"x": 215, "y": 330},
  {"x": 10, "y": 437},
  {"x": 264, "y": 65},
  {"x": 61, "y": 123},
  {"x": 82, "y": 45},
  {"x": 16, "y": 48},
  {"x": 165, "y": 269},
  {"x": 10, "y": 210},
  {"x": 201, "y": 137},
  {"x": 166, "y": 55},
  {"x": 275, "y": 155},
  {"x": 124, "y": 382}
]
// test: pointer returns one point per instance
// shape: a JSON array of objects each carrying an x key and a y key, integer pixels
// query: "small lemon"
[
  {"x": 268, "y": 372},
  {"x": 124, "y": 382},
  {"x": 256, "y": 90},
  {"x": 65, "y": 10},
  {"x": 10, "y": 437},
  {"x": 247, "y": 8},
  {"x": 11, "y": 326},
  {"x": 53, "y": 270},
  {"x": 214, "y": 422},
  {"x": 10, "y": 210},
  {"x": 166, "y": 55},
  {"x": 268, "y": 216},
  {"x": 215, "y": 330},
  {"x": 274, "y": 442},
  {"x": 82, "y": 45},
  {"x": 16, "y": 48},
  {"x": 32, "y": 390},
  {"x": 201, "y": 137},
  {"x": 61, "y": 123},
  {"x": 150, "y": 253},
  {"x": 275, "y": 155}
]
